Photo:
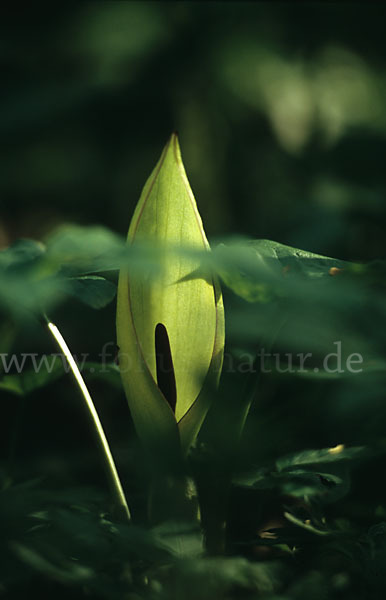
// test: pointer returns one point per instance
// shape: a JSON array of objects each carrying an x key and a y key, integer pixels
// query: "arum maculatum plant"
[{"x": 170, "y": 328}]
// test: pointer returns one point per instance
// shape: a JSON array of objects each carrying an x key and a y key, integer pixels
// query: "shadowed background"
[
  {"x": 279, "y": 106},
  {"x": 281, "y": 114}
]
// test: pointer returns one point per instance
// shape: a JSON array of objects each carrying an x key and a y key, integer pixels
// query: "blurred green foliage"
[{"x": 279, "y": 106}]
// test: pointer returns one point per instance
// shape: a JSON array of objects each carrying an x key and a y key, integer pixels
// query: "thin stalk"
[{"x": 112, "y": 473}]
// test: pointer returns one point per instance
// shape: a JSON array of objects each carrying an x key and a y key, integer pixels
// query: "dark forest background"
[
  {"x": 279, "y": 106},
  {"x": 281, "y": 115}
]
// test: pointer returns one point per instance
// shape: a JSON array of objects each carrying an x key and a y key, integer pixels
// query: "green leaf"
[
  {"x": 326, "y": 455},
  {"x": 22, "y": 287},
  {"x": 305, "y": 525},
  {"x": 29, "y": 380},
  {"x": 296, "y": 261},
  {"x": 32, "y": 278},
  {"x": 183, "y": 540},
  {"x": 51, "y": 368},
  {"x": 245, "y": 272},
  {"x": 327, "y": 485},
  {"x": 367, "y": 367},
  {"x": 188, "y": 311},
  {"x": 85, "y": 249},
  {"x": 21, "y": 254},
  {"x": 259, "y": 270},
  {"x": 218, "y": 577},
  {"x": 66, "y": 572},
  {"x": 94, "y": 291}
]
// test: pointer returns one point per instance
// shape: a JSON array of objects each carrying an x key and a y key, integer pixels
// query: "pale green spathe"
[{"x": 189, "y": 307}]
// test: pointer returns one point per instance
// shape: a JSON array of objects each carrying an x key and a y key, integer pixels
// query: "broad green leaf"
[
  {"x": 245, "y": 272},
  {"x": 189, "y": 310},
  {"x": 294, "y": 260},
  {"x": 33, "y": 276},
  {"x": 260, "y": 270}
]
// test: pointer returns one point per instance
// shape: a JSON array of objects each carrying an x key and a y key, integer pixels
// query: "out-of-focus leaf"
[
  {"x": 299, "y": 482},
  {"x": 93, "y": 291},
  {"x": 183, "y": 540},
  {"x": 294, "y": 260},
  {"x": 49, "y": 368},
  {"x": 325, "y": 455},
  {"x": 22, "y": 288},
  {"x": 244, "y": 271},
  {"x": 29, "y": 380},
  {"x": 34, "y": 277},
  {"x": 21, "y": 253},
  {"x": 319, "y": 374},
  {"x": 257, "y": 270},
  {"x": 64, "y": 572},
  {"x": 83, "y": 250},
  {"x": 326, "y": 486},
  {"x": 219, "y": 577},
  {"x": 306, "y": 525}
]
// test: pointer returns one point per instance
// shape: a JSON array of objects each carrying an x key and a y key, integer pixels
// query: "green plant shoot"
[{"x": 170, "y": 329}]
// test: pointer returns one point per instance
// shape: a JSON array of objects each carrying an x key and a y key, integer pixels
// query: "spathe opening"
[{"x": 164, "y": 365}]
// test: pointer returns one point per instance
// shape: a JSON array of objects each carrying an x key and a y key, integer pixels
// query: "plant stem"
[{"x": 112, "y": 473}]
